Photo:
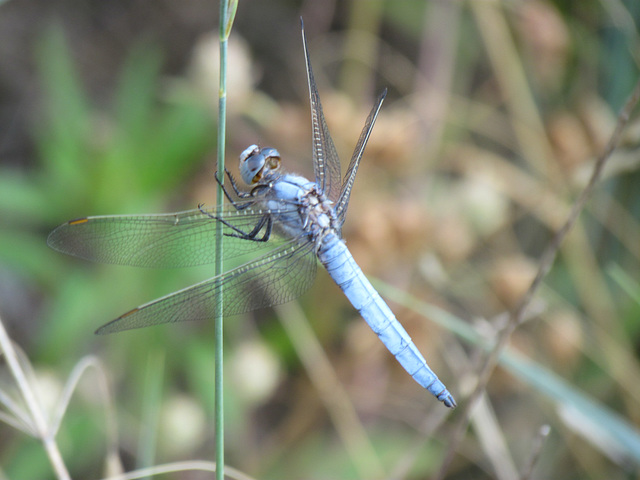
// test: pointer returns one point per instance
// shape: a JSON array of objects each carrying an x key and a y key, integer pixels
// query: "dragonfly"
[{"x": 285, "y": 221}]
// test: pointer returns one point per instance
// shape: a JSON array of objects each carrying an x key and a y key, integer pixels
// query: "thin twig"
[{"x": 545, "y": 263}]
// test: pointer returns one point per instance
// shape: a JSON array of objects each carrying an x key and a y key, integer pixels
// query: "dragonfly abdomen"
[{"x": 340, "y": 264}]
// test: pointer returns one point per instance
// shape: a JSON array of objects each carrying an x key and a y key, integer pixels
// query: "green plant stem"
[{"x": 227, "y": 14}]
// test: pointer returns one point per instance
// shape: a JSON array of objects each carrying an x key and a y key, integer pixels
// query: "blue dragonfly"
[{"x": 285, "y": 221}]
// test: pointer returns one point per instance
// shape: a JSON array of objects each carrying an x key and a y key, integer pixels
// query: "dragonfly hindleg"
[{"x": 265, "y": 222}]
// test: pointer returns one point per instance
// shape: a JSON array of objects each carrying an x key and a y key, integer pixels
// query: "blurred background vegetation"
[{"x": 495, "y": 113}]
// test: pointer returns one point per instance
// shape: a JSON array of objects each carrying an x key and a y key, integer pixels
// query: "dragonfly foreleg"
[{"x": 237, "y": 191}]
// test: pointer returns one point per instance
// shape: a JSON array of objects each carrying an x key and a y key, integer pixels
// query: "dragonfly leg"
[
  {"x": 237, "y": 191},
  {"x": 252, "y": 235},
  {"x": 234, "y": 185},
  {"x": 256, "y": 191}
]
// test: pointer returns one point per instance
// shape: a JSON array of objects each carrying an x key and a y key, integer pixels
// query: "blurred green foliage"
[
  {"x": 468, "y": 173},
  {"x": 134, "y": 157}
]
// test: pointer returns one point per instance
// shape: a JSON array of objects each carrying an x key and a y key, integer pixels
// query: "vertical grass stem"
[{"x": 227, "y": 14}]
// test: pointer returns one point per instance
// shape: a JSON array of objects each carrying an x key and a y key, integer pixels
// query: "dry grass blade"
[
  {"x": 34, "y": 422},
  {"x": 543, "y": 433},
  {"x": 325, "y": 380},
  {"x": 38, "y": 418},
  {"x": 76, "y": 374},
  {"x": 18, "y": 419},
  {"x": 544, "y": 265},
  {"x": 197, "y": 465}
]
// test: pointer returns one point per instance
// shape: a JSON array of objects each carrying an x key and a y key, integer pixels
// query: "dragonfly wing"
[
  {"x": 274, "y": 278},
  {"x": 350, "y": 176},
  {"x": 326, "y": 163},
  {"x": 165, "y": 240}
]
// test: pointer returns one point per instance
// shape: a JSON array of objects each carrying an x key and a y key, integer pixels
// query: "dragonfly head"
[{"x": 257, "y": 163}]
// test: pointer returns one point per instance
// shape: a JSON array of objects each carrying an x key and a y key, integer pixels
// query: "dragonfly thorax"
[
  {"x": 318, "y": 216},
  {"x": 258, "y": 164}
]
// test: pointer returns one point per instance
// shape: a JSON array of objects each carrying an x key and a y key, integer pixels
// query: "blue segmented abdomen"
[{"x": 339, "y": 262}]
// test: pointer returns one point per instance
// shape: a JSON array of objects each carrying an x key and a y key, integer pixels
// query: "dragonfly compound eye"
[
  {"x": 255, "y": 164},
  {"x": 272, "y": 162},
  {"x": 251, "y": 163}
]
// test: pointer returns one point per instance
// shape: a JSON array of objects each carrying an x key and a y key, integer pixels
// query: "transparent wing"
[
  {"x": 350, "y": 176},
  {"x": 165, "y": 240},
  {"x": 277, "y": 277},
  {"x": 326, "y": 163}
]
